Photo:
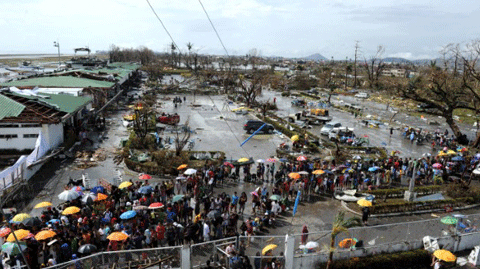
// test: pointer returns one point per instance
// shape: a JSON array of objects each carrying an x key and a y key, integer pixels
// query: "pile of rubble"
[{"x": 87, "y": 159}]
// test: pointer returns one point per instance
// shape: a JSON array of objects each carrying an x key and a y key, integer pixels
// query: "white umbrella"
[
  {"x": 311, "y": 245},
  {"x": 190, "y": 171},
  {"x": 260, "y": 161},
  {"x": 89, "y": 198},
  {"x": 303, "y": 173},
  {"x": 68, "y": 195}
]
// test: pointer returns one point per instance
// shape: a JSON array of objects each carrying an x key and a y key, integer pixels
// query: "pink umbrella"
[
  {"x": 301, "y": 158},
  {"x": 271, "y": 160},
  {"x": 437, "y": 165},
  {"x": 254, "y": 193},
  {"x": 228, "y": 164}
]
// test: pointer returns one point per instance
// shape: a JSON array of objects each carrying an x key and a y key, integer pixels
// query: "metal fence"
[
  {"x": 211, "y": 250},
  {"x": 167, "y": 256},
  {"x": 374, "y": 240}
]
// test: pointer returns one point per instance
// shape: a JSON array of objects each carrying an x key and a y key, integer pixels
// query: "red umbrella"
[
  {"x": 301, "y": 158},
  {"x": 437, "y": 165},
  {"x": 5, "y": 231},
  {"x": 155, "y": 205},
  {"x": 145, "y": 176},
  {"x": 228, "y": 164}
]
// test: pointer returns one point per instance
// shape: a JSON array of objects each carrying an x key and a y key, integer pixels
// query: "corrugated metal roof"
[
  {"x": 60, "y": 81},
  {"x": 63, "y": 102},
  {"x": 9, "y": 108}
]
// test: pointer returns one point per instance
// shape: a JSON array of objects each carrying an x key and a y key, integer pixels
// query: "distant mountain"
[
  {"x": 315, "y": 57},
  {"x": 396, "y": 60}
]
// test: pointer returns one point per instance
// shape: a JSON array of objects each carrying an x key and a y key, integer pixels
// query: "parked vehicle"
[
  {"x": 341, "y": 134},
  {"x": 319, "y": 112},
  {"x": 298, "y": 102},
  {"x": 169, "y": 119},
  {"x": 362, "y": 95},
  {"x": 424, "y": 107},
  {"x": 253, "y": 125},
  {"x": 328, "y": 127},
  {"x": 308, "y": 118}
]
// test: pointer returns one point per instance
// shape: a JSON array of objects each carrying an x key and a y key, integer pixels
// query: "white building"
[{"x": 24, "y": 116}]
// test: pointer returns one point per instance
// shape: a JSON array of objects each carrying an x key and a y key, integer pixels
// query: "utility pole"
[
  {"x": 346, "y": 72},
  {"x": 57, "y": 44},
  {"x": 355, "y": 64}
]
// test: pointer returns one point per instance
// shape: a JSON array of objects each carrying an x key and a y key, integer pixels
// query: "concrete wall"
[
  {"x": 53, "y": 134},
  {"x": 19, "y": 143}
]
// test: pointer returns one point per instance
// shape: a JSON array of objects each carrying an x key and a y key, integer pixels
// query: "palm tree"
[{"x": 340, "y": 225}]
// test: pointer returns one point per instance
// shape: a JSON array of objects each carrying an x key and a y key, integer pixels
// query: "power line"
[
  {"x": 163, "y": 25},
  {"x": 225, "y": 119},
  {"x": 213, "y": 26}
]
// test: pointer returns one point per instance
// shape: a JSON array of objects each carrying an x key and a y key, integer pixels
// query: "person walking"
[
  {"x": 304, "y": 234},
  {"x": 365, "y": 214}
]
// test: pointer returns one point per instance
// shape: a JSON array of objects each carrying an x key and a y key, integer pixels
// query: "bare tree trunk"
[
  {"x": 453, "y": 125},
  {"x": 330, "y": 254}
]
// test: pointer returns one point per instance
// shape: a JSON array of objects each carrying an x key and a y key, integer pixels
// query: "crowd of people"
[{"x": 188, "y": 211}]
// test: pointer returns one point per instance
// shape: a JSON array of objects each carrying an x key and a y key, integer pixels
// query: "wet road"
[{"x": 378, "y": 137}]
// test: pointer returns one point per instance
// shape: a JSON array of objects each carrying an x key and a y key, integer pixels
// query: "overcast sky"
[{"x": 410, "y": 29}]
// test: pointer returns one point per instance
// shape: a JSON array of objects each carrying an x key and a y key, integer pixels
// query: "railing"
[{"x": 375, "y": 240}]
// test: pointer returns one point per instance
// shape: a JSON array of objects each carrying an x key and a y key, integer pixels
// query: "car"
[
  {"x": 425, "y": 107},
  {"x": 329, "y": 126},
  {"x": 363, "y": 95},
  {"x": 253, "y": 125},
  {"x": 339, "y": 133}
]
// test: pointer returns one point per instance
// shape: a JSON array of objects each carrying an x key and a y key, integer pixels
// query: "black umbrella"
[
  {"x": 213, "y": 214},
  {"x": 32, "y": 222},
  {"x": 87, "y": 249}
]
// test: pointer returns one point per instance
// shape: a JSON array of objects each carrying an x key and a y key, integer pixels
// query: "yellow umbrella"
[
  {"x": 318, "y": 172},
  {"x": 268, "y": 248},
  {"x": 363, "y": 202},
  {"x": 294, "y": 175},
  {"x": 183, "y": 166},
  {"x": 101, "y": 196},
  {"x": 43, "y": 204},
  {"x": 242, "y": 108},
  {"x": 242, "y": 160},
  {"x": 125, "y": 184},
  {"x": 71, "y": 210},
  {"x": 117, "y": 236},
  {"x": 21, "y": 217},
  {"x": 42, "y": 235},
  {"x": 295, "y": 138},
  {"x": 20, "y": 234},
  {"x": 444, "y": 255}
]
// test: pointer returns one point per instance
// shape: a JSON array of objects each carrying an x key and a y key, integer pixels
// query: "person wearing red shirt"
[{"x": 160, "y": 230}]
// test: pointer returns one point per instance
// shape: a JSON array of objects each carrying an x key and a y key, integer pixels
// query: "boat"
[{"x": 352, "y": 196}]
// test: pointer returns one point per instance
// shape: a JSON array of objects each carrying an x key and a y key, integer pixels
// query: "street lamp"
[{"x": 57, "y": 44}]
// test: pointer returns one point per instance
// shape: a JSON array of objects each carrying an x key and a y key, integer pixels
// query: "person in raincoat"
[{"x": 304, "y": 234}]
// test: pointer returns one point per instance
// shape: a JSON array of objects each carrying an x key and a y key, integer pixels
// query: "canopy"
[
  {"x": 183, "y": 166},
  {"x": 128, "y": 215},
  {"x": 20, "y": 217},
  {"x": 42, "y": 235},
  {"x": 268, "y": 248},
  {"x": 101, "y": 196},
  {"x": 70, "y": 210},
  {"x": 144, "y": 177},
  {"x": 444, "y": 255},
  {"x": 125, "y": 184},
  {"x": 347, "y": 242},
  {"x": 43, "y": 204},
  {"x": 364, "y": 203},
  {"x": 155, "y": 205},
  {"x": 295, "y": 138},
  {"x": 20, "y": 234},
  {"x": 68, "y": 195},
  {"x": 12, "y": 248},
  {"x": 117, "y": 236},
  {"x": 5, "y": 231}
]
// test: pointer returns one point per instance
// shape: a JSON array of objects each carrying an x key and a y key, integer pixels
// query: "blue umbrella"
[
  {"x": 366, "y": 180},
  {"x": 52, "y": 221},
  {"x": 457, "y": 158},
  {"x": 98, "y": 189},
  {"x": 128, "y": 215},
  {"x": 373, "y": 168},
  {"x": 283, "y": 160},
  {"x": 145, "y": 190},
  {"x": 328, "y": 171}
]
